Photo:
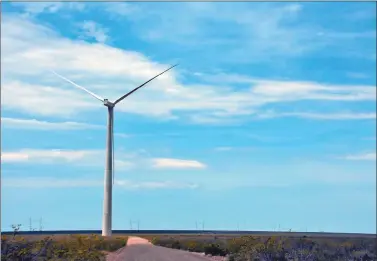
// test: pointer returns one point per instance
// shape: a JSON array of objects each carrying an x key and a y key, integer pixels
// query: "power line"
[{"x": 40, "y": 221}]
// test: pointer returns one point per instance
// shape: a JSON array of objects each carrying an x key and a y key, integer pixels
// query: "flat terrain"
[
  {"x": 140, "y": 249},
  {"x": 173, "y": 246},
  {"x": 196, "y": 233}
]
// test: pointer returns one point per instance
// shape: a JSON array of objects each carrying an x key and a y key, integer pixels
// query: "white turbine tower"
[{"x": 107, "y": 200}]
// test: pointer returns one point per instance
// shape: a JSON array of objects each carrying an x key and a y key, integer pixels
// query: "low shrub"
[
  {"x": 251, "y": 248},
  {"x": 215, "y": 250},
  {"x": 72, "y": 247}
]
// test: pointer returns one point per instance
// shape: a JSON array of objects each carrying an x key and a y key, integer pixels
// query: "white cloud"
[
  {"x": 155, "y": 185},
  {"x": 336, "y": 116},
  {"x": 312, "y": 91},
  {"x": 35, "y": 8},
  {"x": 358, "y": 75},
  {"x": 37, "y": 182},
  {"x": 39, "y": 7},
  {"x": 47, "y": 156},
  {"x": 43, "y": 100},
  {"x": 55, "y": 156},
  {"x": 212, "y": 119},
  {"x": 29, "y": 50},
  {"x": 91, "y": 29},
  {"x": 238, "y": 149},
  {"x": 121, "y": 135},
  {"x": 243, "y": 37},
  {"x": 122, "y": 161},
  {"x": 260, "y": 38},
  {"x": 162, "y": 163},
  {"x": 14, "y": 157},
  {"x": 271, "y": 91},
  {"x": 320, "y": 116},
  {"x": 364, "y": 156},
  {"x": 120, "y": 9},
  {"x": 223, "y": 148},
  {"x": 33, "y": 124}
]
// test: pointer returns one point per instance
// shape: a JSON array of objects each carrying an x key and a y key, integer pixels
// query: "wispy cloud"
[
  {"x": 29, "y": 89},
  {"x": 364, "y": 156},
  {"x": 320, "y": 116},
  {"x": 156, "y": 185},
  {"x": 122, "y": 135},
  {"x": 93, "y": 30},
  {"x": 223, "y": 148},
  {"x": 120, "y": 9},
  {"x": 96, "y": 157},
  {"x": 287, "y": 90},
  {"x": 358, "y": 75},
  {"x": 243, "y": 37},
  {"x": 38, "y": 183},
  {"x": 57, "y": 156},
  {"x": 212, "y": 119},
  {"x": 14, "y": 157},
  {"x": 47, "y": 156},
  {"x": 34, "y": 124},
  {"x": 35, "y": 8},
  {"x": 167, "y": 163},
  {"x": 44, "y": 100},
  {"x": 228, "y": 148}
]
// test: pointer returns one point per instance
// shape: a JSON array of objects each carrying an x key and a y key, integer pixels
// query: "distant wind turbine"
[{"x": 109, "y": 177}]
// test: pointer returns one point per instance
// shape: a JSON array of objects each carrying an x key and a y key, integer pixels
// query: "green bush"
[{"x": 214, "y": 250}]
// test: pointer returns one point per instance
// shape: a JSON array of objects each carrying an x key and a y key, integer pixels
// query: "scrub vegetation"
[
  {"x": 274, "y": 248},
  {"x": 59, "y": 247},
  {"x": 219, "y": 247}
]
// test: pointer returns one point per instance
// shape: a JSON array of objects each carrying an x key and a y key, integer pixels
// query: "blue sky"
[{"x": 269, "y": 120}]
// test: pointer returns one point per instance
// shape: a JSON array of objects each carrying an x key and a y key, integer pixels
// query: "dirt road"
[{"x": 139, "y": 249}]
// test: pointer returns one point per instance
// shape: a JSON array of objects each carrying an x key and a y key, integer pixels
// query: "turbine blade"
[
  {"x": 129, "y": 93},
  {"x": 78, "y": 86}
]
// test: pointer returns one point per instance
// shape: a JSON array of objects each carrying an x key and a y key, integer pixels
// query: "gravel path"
[{"x": 140, "y": 249}]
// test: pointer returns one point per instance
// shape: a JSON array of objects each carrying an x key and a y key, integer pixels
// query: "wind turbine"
[{"x": 107, "y": 200}]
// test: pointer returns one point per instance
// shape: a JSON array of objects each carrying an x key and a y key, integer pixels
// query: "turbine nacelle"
[{"x": 108, "y": 103}]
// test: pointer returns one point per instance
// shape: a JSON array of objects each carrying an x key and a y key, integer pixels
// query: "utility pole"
[
  {"x": 202, "y": 226},
  {"x": 137, "y": 224},
  {"x": 40, "y": 224},
  {"x": 30, "y": 224},
  {"x": 198, "y": 223}
]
